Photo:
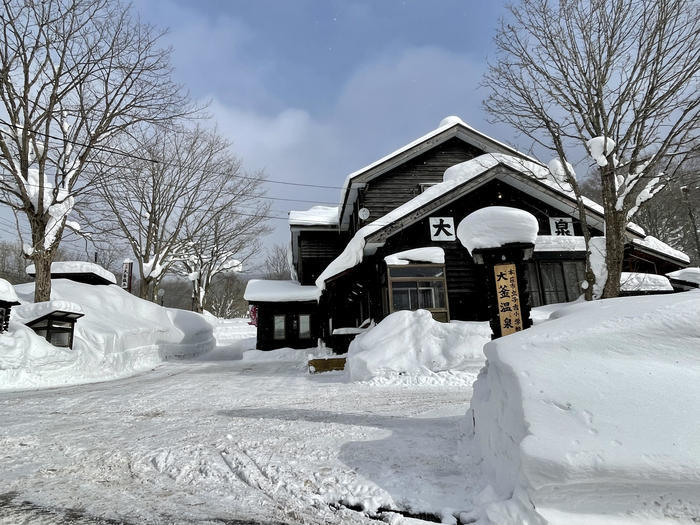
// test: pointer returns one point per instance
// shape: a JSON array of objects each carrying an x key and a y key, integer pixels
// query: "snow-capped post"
[
  {"x": 502, "y": 239},
  {"x": 127, "y": 272}
]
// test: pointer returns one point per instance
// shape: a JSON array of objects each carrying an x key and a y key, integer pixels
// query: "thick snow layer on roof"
[
  {"x": 454, "y": 176},
  {"x": 66, "y": 267},
  {"x": 644, "y": 282},
  {"x": 315, "y": 216},
  {"x": 689, "y": 275},
  {"x": 584, "y": 418},
  {"x": 28, "y": 312},
  {"x": 7, "y": 292},
  {"x": 272, "y": 291},
  {"x": 560, "y": 243},
  {"x": 656, "y": 245},
  {"x": 429, "y": 254},
  {"x": 409, "y": 342},
  {"x": 494, "y": 226},
  {"x": 120, "y": 335}
]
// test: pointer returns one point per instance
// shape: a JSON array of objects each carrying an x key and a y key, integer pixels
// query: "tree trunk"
[
  {"x": 615, "y": 224},
  {"x": 42, "y": 281}
]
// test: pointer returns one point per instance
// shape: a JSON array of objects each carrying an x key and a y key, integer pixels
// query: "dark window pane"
[
  {"x": 304, "y": 326},
  {"x": 60, "y": 339},
  {"x": 553, "y": 283},
  {"x": 573, "y": 281},
  {"x": 279, "y": 327},
  {"x": 533, "y": 285}
]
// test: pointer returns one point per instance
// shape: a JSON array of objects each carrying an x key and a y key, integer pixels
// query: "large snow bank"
[
  {"x": 279, "y": 291},
  {"x": 68, "y": 267},
  {"x": 494, "y": 226},
  {"x": 688, "y": 275},
  {"x": 590, "y": 417},
  {"x": 412, "y": 342},
  {"x": 119, "y": 335}
]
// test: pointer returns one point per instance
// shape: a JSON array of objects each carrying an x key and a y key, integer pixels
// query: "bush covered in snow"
[
  {"x": 590, "y": 417},
  {"x": 412, "y": 342}
]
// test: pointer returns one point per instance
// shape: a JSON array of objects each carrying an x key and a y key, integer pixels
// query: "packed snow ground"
[{"x": 218, "y": 438}]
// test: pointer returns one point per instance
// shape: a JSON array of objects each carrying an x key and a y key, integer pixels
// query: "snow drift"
[
  {"x": 119, "y": 335},
  {"x": 413, "y": 342},
  {"x": 590, "y": 417}
]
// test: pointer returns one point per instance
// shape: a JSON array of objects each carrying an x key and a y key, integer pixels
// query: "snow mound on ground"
[
  {"x": 413, "y": 342},
  {"x": 586, "y": 418},
  {"x": 495, "y": 226},
  {"x": 120, "y": 335}
]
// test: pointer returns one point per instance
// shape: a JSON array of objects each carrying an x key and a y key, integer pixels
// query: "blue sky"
[{"x": 310, "y": 90}]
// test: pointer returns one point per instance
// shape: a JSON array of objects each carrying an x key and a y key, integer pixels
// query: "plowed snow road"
[{"x": 230, "y": 441}]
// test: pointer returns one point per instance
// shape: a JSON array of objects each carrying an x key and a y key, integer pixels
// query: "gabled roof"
[
  {"x": 458, "y": 181},
  {"x": 449, "y": 127}
]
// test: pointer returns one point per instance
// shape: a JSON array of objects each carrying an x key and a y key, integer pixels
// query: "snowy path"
[{"x": 229, "y": 441}]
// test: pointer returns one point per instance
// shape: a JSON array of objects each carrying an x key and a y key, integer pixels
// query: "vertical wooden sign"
[
  {"x": 127, "y": 270},
  {"x": 508, "y": 298}
]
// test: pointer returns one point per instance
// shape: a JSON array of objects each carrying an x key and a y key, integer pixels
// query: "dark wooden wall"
[
  {"x": 465, "y": 280},
  {"x": 266, "y": 327},
  {"x": 316, "y": 251},
  {"x": 400, "y": 185}
]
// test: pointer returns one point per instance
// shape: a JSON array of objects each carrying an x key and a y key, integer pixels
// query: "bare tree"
[
  {"x": 227, "y": 243},
  {"x": 177, "y": 203},
  {"x": 225, "y": 297},
  {"x": 73, "y": 75},
  {"x": 622, "y": 72},
  {"x": 277, "y": 263}
]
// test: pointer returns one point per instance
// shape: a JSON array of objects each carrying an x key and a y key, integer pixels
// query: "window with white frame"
[{"x": 419, "y": 286}]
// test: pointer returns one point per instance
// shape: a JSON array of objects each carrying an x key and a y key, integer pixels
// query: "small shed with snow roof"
[
  {"x": 285, "y": 313},
  {"x": 78, "y": 271}
]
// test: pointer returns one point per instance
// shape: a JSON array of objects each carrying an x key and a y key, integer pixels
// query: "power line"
[{"x": 107, "y": 149}]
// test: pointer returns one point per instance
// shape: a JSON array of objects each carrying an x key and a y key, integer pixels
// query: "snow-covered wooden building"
[{"x": 391, "y": 243}]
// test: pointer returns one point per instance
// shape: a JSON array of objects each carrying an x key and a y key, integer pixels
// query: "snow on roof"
[
  {"x": 689, "y": 275},
  {"x": 560, "y": 243},
  {"x": 7, "y": 292},
  {"x": 429, "y": 254},
  {"x": 314, "y": 216},
  {"x": 445, "y": 124},
  {"x": 644, "y": 282},
  {"x": 28, "y": 312},
  {"x": 63, "y": 267},
  {"x": 454, "y": 176},
  {"x": 495, "y": 226},
  {"x": 263, "y": 290},
  {"x": 654, "y": 244}
]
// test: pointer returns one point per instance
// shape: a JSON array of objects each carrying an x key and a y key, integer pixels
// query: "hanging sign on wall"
[{"x": 442, "y": 229}]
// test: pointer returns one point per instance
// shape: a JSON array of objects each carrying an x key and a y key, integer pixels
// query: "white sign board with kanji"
[
  {"x": 561, "y": 226},
  {"x": 442, "y": 229}
]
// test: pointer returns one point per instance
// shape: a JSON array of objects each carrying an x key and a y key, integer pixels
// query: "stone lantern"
[{"x": 8, "y": 299}]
